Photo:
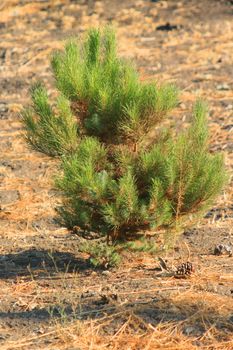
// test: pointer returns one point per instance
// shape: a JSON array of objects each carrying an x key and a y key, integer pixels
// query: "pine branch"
[{"x": 115, "y": 178}]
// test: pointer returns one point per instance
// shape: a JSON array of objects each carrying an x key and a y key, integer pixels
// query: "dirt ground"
[{"x": 50, "y": 297}]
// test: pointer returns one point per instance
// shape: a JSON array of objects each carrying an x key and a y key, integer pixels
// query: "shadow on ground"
[
  {"x": 192, "y": 318},
  {"x": 40, "y": 262}
]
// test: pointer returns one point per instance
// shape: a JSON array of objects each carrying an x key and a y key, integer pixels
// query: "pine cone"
[{"x": 184, "y": 270}]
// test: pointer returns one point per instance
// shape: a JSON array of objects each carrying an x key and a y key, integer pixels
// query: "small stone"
[
  {"x": 223, "y": 87},
  {"x": 228, "y": 127},
  {"x": 93, "y": 273},
  {"x": 174, "y": 310},
  {"x": 3, "y": 107},
  {"x": 154, "y": 12},
  {"x": 221, "y": 249},
  {"x": 88, "y": 294},
  {"x": 218, "y": 250},
  {"x": 2, "y": 53},
  {"x": 106, "y": 273},
  {"x": 3, "y": 110},
  {"x": 189, "y": 330},
  {"x": 182, "y": 106}
]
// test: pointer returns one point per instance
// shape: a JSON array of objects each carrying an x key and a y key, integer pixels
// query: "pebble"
[
  {"x": 94, "y": 273},
  {"x": 189, "y": 330},
  {"x": 228, "y": 107},
  {"x": 88, "y": 294},
  {"x": 106, "y": 273},
  {"x": 223, "y": 87},
  {"x": 228, "y": 127},
  {"x": 3, "y": 110},
  {"x": 2, "y": 53},
  {"x": 183, "y": 106}
]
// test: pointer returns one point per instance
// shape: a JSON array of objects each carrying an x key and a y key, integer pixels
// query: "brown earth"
[{"x": 50, "y": 296}]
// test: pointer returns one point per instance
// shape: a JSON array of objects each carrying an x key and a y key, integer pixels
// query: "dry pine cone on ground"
[{"x": 184, "y": 270}]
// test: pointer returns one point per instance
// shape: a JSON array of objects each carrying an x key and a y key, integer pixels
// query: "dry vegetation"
[{"x": 50, "y": 297}]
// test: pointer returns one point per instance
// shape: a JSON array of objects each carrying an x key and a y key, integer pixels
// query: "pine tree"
[{"x": 117, "y": 179}]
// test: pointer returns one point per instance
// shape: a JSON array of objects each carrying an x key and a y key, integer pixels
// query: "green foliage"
[
  {"x": 101, "y": 254},
  {"x": 156, "y": 187},
  {"x": 50, "y": 132},
  {"x": 108, "y": 96},
  {"x": 113, "y": 180},
  {"x": 140, "y": 245}
]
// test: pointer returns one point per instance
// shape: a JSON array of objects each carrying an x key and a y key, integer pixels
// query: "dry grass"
[
  {"x": 189, "y": 316},
  {"x": 204, "y": 309}
]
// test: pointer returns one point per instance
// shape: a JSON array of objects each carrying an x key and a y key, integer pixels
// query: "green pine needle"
[{"x": 112, "y": 180}]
